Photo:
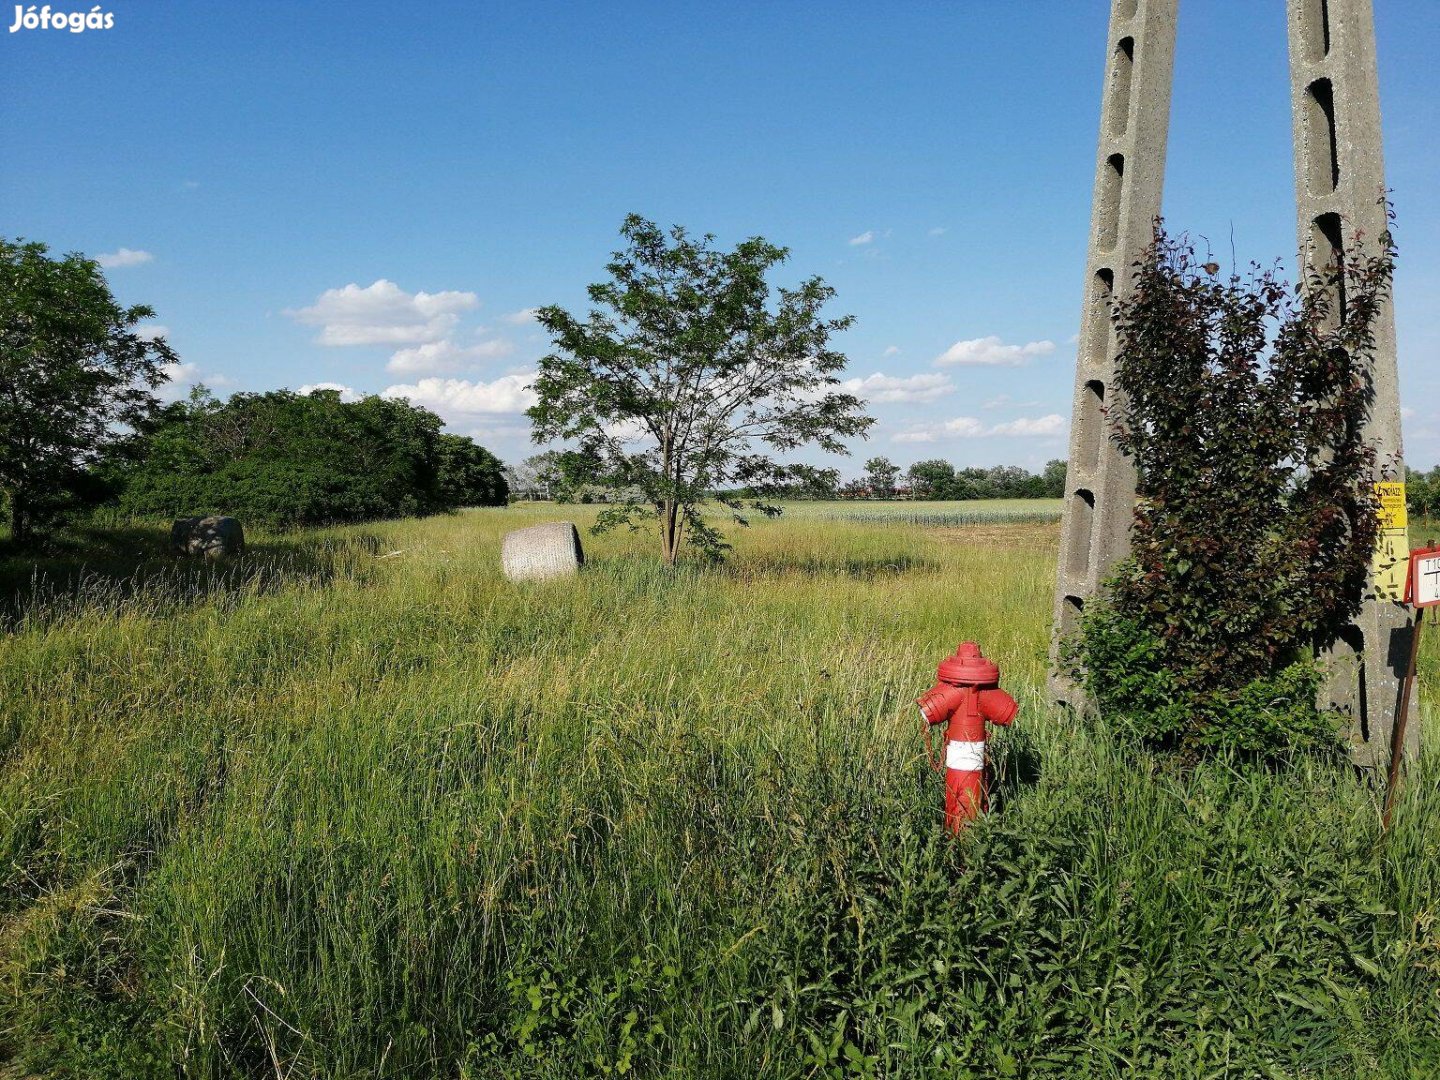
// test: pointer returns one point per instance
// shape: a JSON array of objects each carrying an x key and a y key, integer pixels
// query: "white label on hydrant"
[{"x": 966, "y": 756}]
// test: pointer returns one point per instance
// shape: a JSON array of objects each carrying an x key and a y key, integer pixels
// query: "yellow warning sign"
[
  {"x": 1391, "y": 564},
  {"x": 1392, "y": 505}
]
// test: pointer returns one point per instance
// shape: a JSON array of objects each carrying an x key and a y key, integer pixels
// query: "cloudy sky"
[{"x": 375, "y": 196}]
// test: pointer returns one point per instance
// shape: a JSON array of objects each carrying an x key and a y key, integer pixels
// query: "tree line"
[
  {"x": 936, "y": 479},
  {"x": 82, "y": 426},
  {"x": 283, "y": 458},
  {"x": 1422, "y": 493}
]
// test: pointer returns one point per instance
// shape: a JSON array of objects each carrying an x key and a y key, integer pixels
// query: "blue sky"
[{"x": 372, "y": 195}]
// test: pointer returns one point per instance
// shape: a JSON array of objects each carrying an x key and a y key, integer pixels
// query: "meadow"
[{"x": 355, "y": 806}]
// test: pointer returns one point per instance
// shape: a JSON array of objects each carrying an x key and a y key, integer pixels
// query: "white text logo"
[{"x": 76, "y": 22}]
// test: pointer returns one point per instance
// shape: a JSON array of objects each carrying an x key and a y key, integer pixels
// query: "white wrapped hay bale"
[{"x": 542, "y": 552}]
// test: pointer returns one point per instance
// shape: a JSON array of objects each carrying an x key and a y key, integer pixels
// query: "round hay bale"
[
  {"x": 212, "y": 538},
  {"x": 542, "y": 552}
]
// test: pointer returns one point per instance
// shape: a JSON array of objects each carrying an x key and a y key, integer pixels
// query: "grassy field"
[
  {"x": 356, "y": 807},
  {"x": 931, "y": 514}
]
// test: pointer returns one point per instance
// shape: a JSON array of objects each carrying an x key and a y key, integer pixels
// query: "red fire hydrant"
[{"x": 966, "y": 696}]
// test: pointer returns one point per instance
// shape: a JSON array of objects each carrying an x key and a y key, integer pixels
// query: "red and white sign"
[{"x": 1425, "y": 577}]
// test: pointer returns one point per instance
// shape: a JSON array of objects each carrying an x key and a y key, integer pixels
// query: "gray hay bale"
[
  {"x": 209, "y": 537},
  {"x": 542, "y": 552}
]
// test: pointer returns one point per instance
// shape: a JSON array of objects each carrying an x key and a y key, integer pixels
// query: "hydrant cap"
[{"x": 968, "y": 667}]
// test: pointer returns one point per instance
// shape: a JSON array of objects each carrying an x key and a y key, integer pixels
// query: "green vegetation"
[
  {"x": 1243, "y": 409},
  {"x": 76, "y": 375},
  {"x": 937, "y": 479},
  {"x": 686, "y": 379},
  {"x": 353, "y": 806},
  {"x": 285, "y": 459},
  {"x": 1422, "y": 491}
]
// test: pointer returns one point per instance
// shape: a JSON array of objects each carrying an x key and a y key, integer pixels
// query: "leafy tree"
[
  {"x": 933, "y": 479},
  {"x": 1011, "y": 482},
  {"x": 1423, "y": 492},
  {"x": 685, "y": 379},
  {"x": 1242, "y": 407},
  {"x": 809, "y": 483},
  {"x": 75, "y": 377},
  {"x": 283, "y": 458},
  {"x": 467, "y": 474},
  {"x": 1052, "y": 480},
  {"x": 537, "y": 477},
  {"x": 881, "y": 475},
  {"x": 973, "y": 483}
]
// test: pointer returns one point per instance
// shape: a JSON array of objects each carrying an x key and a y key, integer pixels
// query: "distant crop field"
[
  {"x": 934, "y": 514},
  {"x": 355, "y": 806}
]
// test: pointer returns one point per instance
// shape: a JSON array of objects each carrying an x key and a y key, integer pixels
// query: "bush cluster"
[
  {"x": 285, "y": 459},
  {"x": 1243, "y": 403},
  {"x": 938, "y": 479},
  {"x": 1422, "y": 492}
]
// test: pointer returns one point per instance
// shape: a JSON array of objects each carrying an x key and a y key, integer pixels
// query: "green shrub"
[
  {"x": 1266, "y": 717},
  {"x": 1242, "y": 403},
  {"x": 286, "y": 459}
]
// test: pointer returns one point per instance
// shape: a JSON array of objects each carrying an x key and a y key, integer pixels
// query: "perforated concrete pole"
[
  {"x": 1129, "y": 179},
  {"x": 1339, "y": 181}
]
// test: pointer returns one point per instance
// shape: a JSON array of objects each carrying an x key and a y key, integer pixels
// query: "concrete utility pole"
[
  {"x": 1339, "y": 181},
  {"x": 1129, "y": 180}
]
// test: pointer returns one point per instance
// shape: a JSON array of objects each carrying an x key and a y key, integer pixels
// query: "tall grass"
[{"x": 378, "y": 813}]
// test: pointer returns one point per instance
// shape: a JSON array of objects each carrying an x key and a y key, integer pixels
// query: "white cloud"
[
  {"x": 347, "y": 393},
  {"x": 892, "y": 350},
  {"x": 965, "y": 427},
  {"x": 888, "y": 388},
  {"x": 150, "y": 333},
  {"x": 992, "y": 352},
  {"x": 939, "y": 230},
  {"x": 864, "y": 238},
  {"x": 383, "y": 314},
  {"x": 124, "y": 257},
  {"x": 463, "y": 397},
  {"x": 521, "y": 317},
  {"x": 970, "y": 427},
  {"x": 487, "y": 432},
  {"x": 1407, "y": 413},
  {"x": 445, "y": 357},
  {"x": 181, "y": 373},
  {"x": 1054, "y": 424}
]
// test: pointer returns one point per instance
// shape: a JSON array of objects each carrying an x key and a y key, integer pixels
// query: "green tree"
[
  {"x": 75, "y": 377},
  {"x": 1422, "y": 492},
  {"x": 283, "y": 458},
  {"x": 933, "y": 479},
  {"x": 1053, "y": 480},
  {"x": 1243, "y": 408},
  {"x": 973, "y": 483},
  {"x": 467, "y": 474},
  {"x": 687, "y": 377},
  {"x": 881, "y": 474}
]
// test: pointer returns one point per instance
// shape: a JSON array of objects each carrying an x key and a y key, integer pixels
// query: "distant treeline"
[
  {"x": 1422, "y": 492},
  {"x": 936, "y": 479},
  {"x": 283, "y": 458}
]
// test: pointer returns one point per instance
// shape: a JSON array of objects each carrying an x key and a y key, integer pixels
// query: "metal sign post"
[{"x": 1422, "y": 590}]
